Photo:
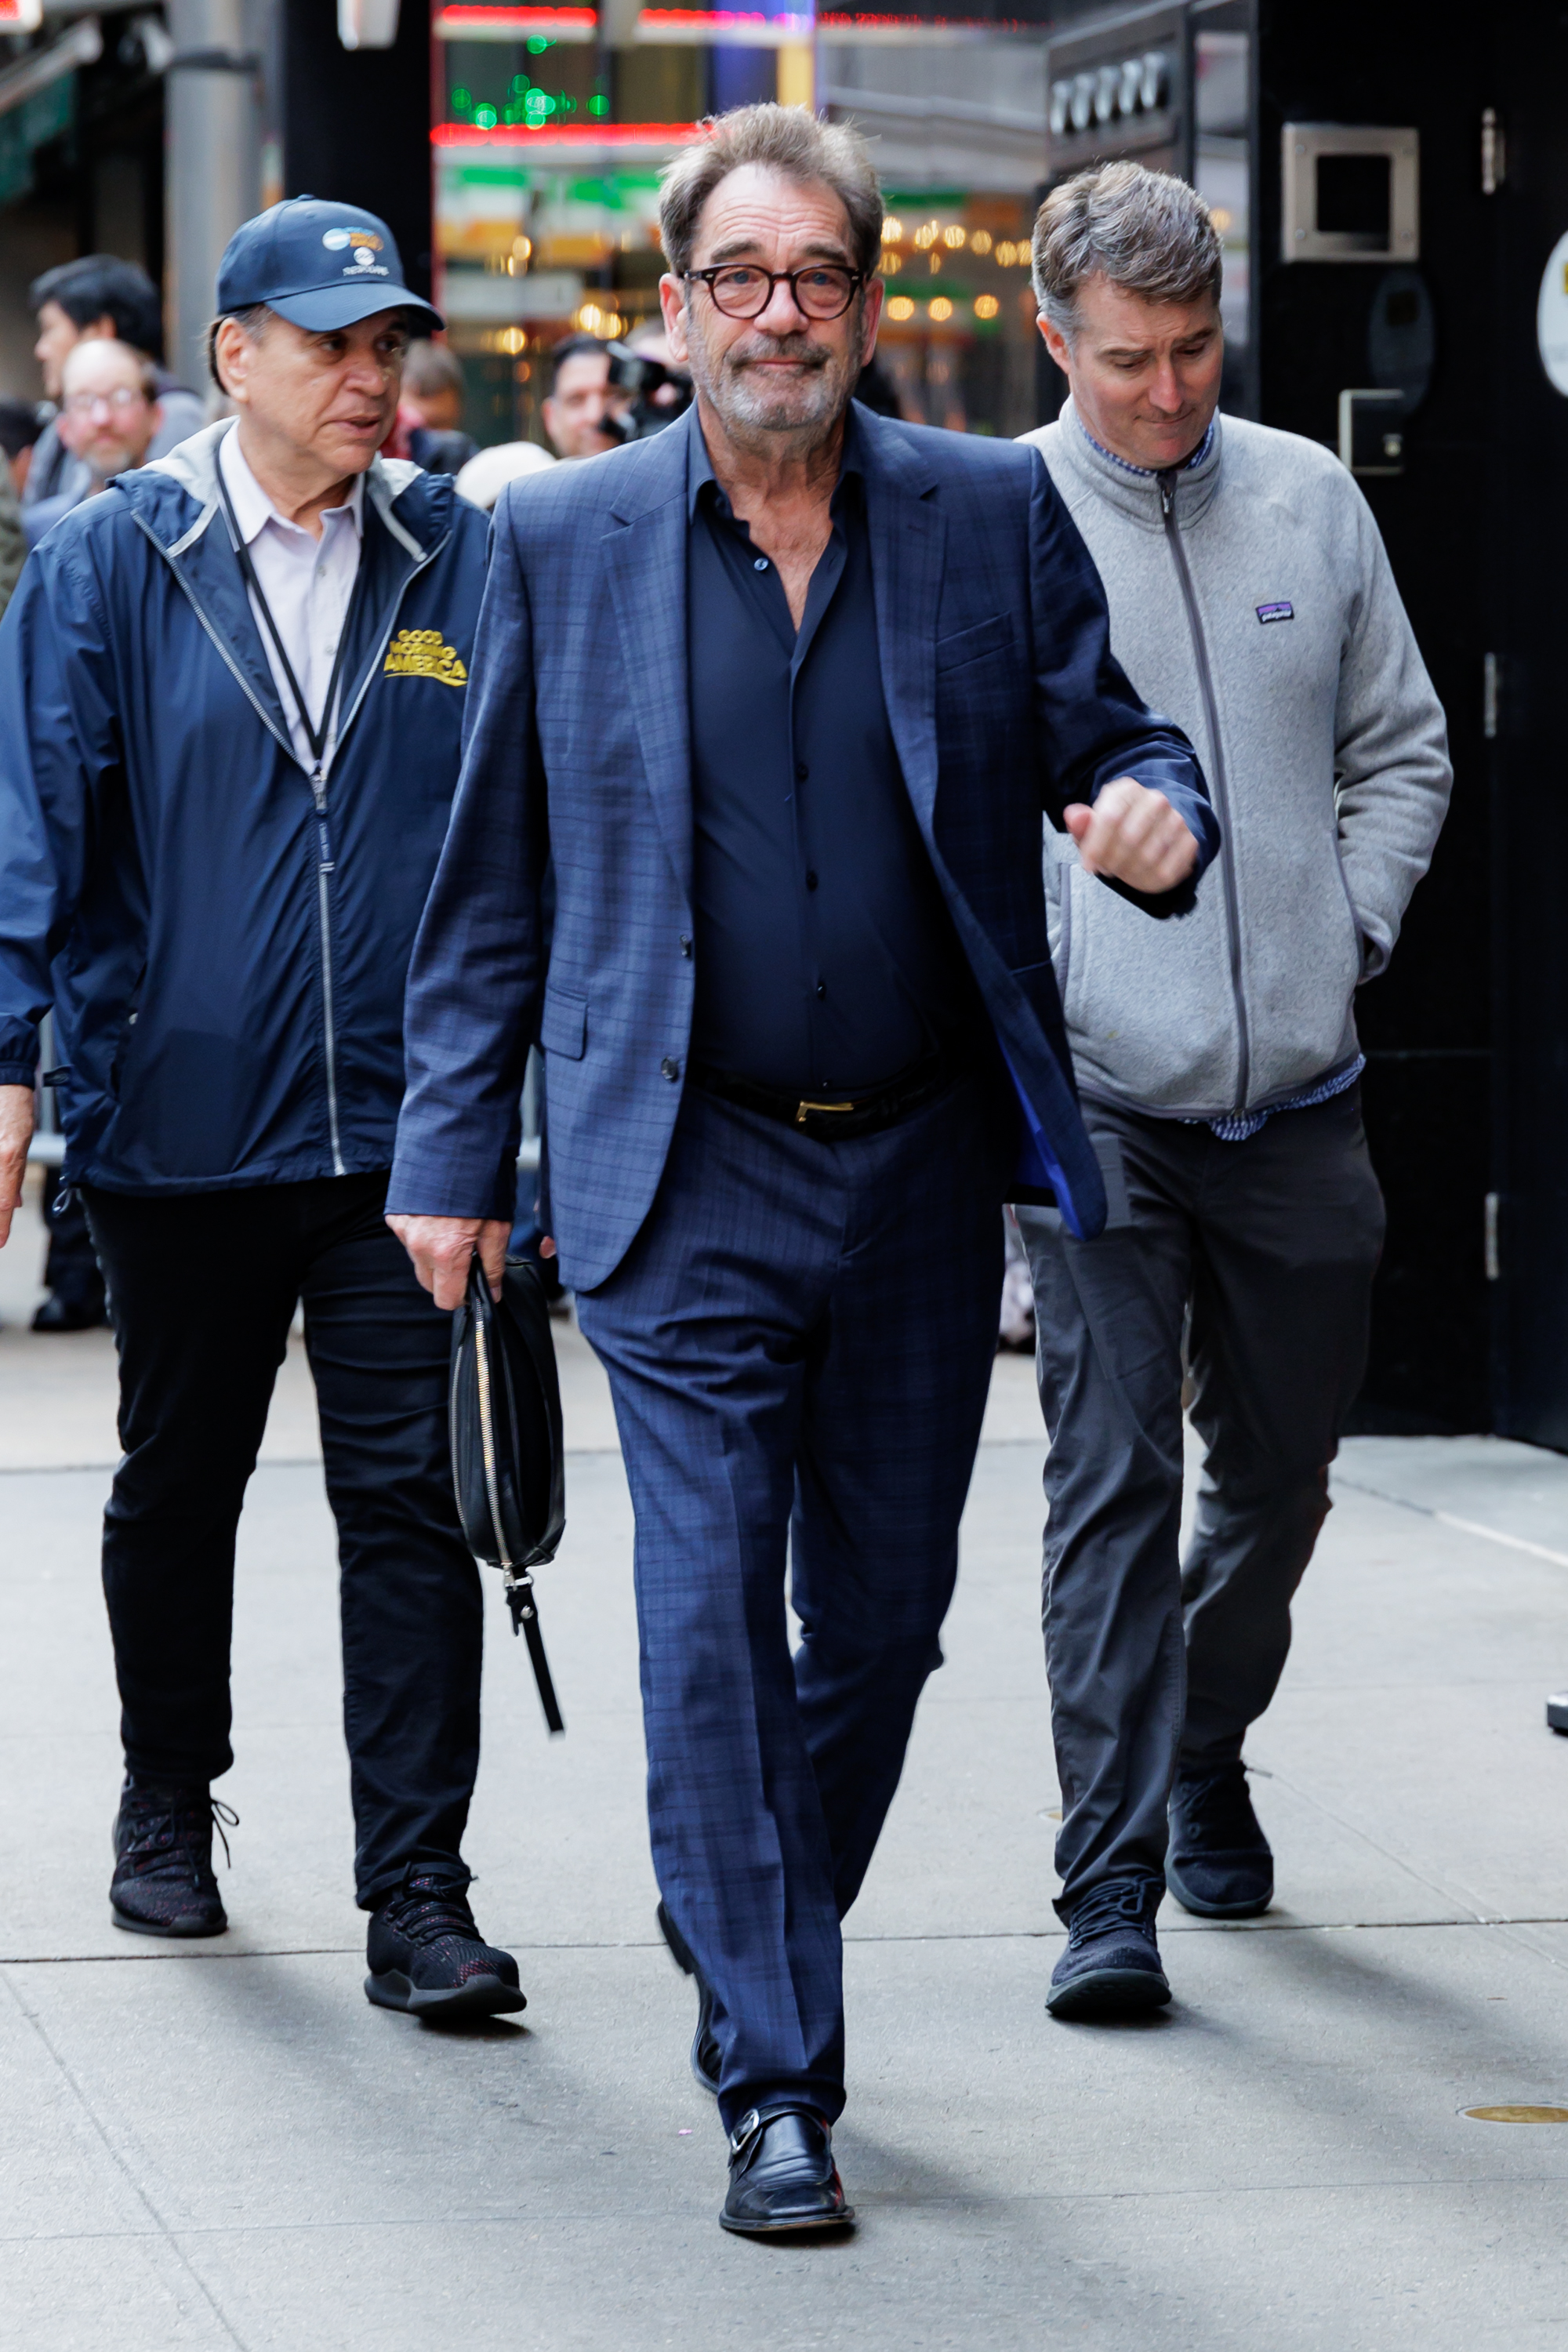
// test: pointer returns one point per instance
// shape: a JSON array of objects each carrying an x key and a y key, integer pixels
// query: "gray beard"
[{"x": 747, "y": 406}]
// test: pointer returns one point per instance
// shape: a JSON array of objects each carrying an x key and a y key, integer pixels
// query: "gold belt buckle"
[{"x": 801, "y": 1109}]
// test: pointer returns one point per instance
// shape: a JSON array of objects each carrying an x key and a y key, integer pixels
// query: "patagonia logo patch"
[
  {"x": 1280, "y": 612},
  {"x": 421, "y": 653}
]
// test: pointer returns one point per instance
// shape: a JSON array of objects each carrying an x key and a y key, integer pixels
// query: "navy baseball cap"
[{"x": 322, "y": 265}]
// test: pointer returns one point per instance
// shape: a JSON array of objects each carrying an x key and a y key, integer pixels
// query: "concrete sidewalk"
[{"x": 224, "y": 2145}]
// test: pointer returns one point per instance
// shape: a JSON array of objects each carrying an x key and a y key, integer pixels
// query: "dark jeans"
[
  {"x": 1264, "y": 1252},
  {"x": 70, "y": 1270},
  {"x": 204, "y": 1287}
]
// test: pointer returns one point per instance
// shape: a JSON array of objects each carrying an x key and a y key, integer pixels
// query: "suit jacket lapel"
[
  {"x": 645, "y": 557},
  {"x": 908, "y": 533}
]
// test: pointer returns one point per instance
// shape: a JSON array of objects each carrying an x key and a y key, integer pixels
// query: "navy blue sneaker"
[
  {"x": 427, "y": 1954},
  {"x": 1220, "y": 1864},
  {"x": 1110, "y": 1968},
  {"x": 163, "y": 1883}
]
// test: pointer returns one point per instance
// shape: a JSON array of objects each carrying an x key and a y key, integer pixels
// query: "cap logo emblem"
[
  {"x": 365, "y": 259},
  {"x": 365, "y": 236},
  {"x": 334, "y": 240}
]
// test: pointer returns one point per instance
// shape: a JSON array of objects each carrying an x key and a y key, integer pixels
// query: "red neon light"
[
  {"x": 570, "y": 134},
  {"x": 461, "y": 19},
  {"x": 838, "y": 19},
  {"x": 702, "y": 19}
]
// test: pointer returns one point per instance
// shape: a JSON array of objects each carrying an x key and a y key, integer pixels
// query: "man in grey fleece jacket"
[{"x": 1251, "y": 598}]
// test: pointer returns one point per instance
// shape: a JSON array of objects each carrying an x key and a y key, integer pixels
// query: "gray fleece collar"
[{"x": 1138, "y": 494}]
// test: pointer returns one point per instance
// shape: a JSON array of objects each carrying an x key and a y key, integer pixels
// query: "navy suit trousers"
[{"x": 799, "y": 1345}]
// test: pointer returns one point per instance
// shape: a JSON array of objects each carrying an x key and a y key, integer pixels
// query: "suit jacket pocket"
[
  {"x": 565, "y": 1028},
  {"x": 992, "y": 637}
]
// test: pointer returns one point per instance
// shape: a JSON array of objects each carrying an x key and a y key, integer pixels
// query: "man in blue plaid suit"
[{"x": 779, "y": 697}]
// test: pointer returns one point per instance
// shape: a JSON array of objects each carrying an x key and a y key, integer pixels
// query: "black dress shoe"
[
  {"x": 783, "y": 2176},
  {"x": 705, "y": 2058},
  {"x": 1110, "y": 1968},
  {"x": 427, "y": 1954},
  {"x": 1220, "y": 1864},
  {"x": 163, "y": 1883}
]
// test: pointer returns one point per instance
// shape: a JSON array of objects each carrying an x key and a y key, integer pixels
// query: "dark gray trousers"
[{"x": 1255, "y": 1261}]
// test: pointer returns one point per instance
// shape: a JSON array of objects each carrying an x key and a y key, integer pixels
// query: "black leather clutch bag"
[{"x": 508, "y": 1462}]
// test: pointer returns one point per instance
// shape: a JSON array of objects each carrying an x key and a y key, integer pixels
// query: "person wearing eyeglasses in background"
[
  {"x": 777, "y": 695},
  {"x": 97, "y": 298}
]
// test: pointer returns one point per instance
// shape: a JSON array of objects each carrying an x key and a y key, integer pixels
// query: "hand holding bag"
[{"x": 508, "y": 1460}]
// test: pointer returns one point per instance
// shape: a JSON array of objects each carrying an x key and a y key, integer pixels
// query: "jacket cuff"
[
  {"x": 418, "y": 1190},
  {"x": 1159, "y": 903},
  {"x": 19, "y": 1074}
]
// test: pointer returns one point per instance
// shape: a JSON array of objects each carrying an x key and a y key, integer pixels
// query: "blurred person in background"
[
  {"x": 231, "y": 702},
  {"x": 20, "y": 427},
  {"x": 488, "y": 472},
  {"x": 432, "y": 408},
  {"x": 581, "y": 405},
  {"x": 110, "y": 416},
  {"x": 12, "y": 541},
  {"x": 100, "y": 296}
]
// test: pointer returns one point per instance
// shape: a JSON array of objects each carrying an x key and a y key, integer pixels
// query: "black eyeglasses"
[{"x": 741, "y": 290}]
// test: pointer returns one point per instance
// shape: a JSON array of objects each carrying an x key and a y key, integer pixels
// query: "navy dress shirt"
[{"x": 825, "y": 958}]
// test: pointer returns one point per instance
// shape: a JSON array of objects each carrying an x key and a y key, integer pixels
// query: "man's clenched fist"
[{"x": 1133, "y": 836}]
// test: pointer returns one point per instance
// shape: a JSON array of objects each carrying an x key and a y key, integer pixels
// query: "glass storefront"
[{"x": 551, "y": 125}]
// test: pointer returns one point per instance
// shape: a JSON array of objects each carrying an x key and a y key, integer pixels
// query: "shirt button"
[
  {"x": 668, "y": 1068},
  {"x": 801, "y": 770},
  {"x": 821, "y": 988},
  {"x": 810, "y": 881},
  {"x": 685, "y": 943},
  {"x": 760, "y": 564}
]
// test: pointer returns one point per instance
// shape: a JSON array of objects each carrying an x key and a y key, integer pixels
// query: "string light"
[
  {"x": 941, "y": 310},
  {"x": 986, "y": 306},
  {"x": 900, "y": 307}
]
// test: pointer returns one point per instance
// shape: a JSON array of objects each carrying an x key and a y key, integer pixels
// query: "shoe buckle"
[{"x": 748, "y": 2130}]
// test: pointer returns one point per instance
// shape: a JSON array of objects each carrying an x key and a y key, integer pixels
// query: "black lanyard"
[{"x": 317, "y": 736}]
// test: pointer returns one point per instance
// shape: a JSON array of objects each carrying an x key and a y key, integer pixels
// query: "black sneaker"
[
  {"x": 163, "y": 1883},
  {"x": 1110, "y": 1968},
  {"x": 1220, "y": 1864},
  {"x": 427, "y": 1954},
  {"x": 705, "y": 2058}
]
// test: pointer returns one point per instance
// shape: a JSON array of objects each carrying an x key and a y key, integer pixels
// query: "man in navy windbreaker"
[{"x": 231, "y": 701}]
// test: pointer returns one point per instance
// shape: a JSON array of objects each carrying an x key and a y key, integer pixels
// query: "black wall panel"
[{"x": 356, "y": 123}]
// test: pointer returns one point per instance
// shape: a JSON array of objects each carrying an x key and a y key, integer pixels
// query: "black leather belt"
[{"x": 836, "y": 1114}]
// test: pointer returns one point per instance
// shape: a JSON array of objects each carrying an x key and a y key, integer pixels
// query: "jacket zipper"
[
  {"x": 318, "y": 781},
  {"x": 324, "y": 918},
  {"x": 325, "y": 867},
  {"x": 1210, "y": 717}
]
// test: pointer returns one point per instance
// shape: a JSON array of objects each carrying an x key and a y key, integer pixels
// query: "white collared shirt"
[{"x": 306, "y": 583}]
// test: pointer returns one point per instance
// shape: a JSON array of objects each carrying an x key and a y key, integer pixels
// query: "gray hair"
[
  {"x": 1144, "y": 231},
  {"x": 253, "y": 320},
  {"x": 778, "y": 139}
]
